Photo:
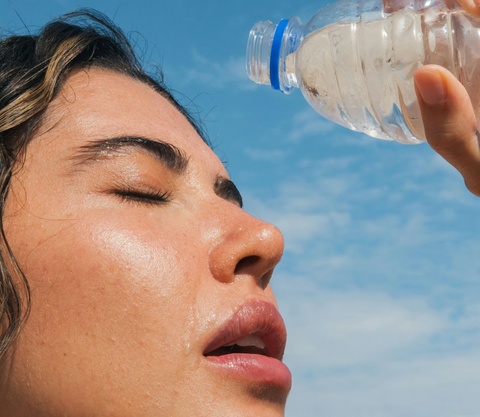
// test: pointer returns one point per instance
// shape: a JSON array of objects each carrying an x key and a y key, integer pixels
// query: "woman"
[{"x": 149, "y": 284}]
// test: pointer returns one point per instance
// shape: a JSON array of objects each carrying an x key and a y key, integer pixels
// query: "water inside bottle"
[{"x": 360, "y": 74}]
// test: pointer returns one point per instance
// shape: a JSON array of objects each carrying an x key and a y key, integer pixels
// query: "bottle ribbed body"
[{"x": 358, "y": 71}]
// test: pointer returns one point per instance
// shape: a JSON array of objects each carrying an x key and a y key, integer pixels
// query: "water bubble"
[{"x": 188, "y": 349}]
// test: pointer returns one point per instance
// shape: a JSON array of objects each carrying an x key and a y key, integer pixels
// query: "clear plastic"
[{"x": 354, "y": 61}]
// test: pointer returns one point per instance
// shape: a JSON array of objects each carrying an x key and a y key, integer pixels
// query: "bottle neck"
[{"x": 270, "y": 52}]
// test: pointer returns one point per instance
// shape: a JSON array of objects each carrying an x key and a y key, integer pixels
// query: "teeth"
[{"x": 249, "y": 340}]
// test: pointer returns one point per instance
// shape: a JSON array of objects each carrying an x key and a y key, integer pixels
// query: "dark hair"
[{"x": 32, "y": 71}]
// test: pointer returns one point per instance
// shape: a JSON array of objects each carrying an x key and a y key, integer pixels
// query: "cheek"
[
  {"x": 111, "y": 297},
  {"x": 102, "y": 266}
]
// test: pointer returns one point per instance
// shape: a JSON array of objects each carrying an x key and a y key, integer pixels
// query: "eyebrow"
[{"x": 169, "y": 155}]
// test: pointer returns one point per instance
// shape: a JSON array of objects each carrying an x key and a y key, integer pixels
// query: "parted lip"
[{"x": 257, "y": 318}]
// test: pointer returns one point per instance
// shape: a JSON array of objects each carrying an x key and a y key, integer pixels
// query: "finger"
[
  {"x": 449, "y": 121},
  {"x": 470, "y": 6}
]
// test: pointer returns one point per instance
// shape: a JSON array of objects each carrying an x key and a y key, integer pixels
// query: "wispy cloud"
[
  {"x": 354, "y": 328},
  {"x": 307, "y": 123},
  {"x": 218, "y": 74},
  {"x": 441, "y": 387},
  {"x": 381, "y": 308},
  {"x": 271, "y": 155},
  {"x": 367, "y": 353}
]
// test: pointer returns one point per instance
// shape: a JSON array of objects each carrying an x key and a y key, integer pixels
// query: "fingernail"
[{"x": 431, "y": 86}]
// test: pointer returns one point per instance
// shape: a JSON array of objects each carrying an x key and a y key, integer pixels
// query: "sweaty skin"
[
  {"x": 126, "y": 291},
  {"x": 133, "y": 265}
]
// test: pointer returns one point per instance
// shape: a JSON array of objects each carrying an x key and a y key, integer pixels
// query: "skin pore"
[{"x": 137, "y": 251}]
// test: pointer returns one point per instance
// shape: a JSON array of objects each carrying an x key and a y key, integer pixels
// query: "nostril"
[
  {"x": 253, "y": 266},
  {"x": 245, "y": 264}
]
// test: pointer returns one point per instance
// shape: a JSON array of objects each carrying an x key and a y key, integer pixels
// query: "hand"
[{"x": 449, "y": 118}]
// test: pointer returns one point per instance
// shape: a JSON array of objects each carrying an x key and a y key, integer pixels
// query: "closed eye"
[{"x": 151, "y": 198}]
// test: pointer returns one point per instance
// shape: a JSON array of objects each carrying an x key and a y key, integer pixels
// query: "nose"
[{"x": 247, "y": 248}]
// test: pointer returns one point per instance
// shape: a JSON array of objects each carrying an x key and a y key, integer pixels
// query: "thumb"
[
  {"x": 449, "y": 121},
  {"x": 470, "y": 6}
]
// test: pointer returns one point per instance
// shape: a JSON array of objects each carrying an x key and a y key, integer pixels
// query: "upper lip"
[{"x": 255, "y": 317}]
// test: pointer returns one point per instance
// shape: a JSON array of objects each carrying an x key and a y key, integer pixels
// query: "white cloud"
[
  {"x": 216, "y": 74},
  {"x": 271, "y": 155},
  {"x": 382, "y": 309},
  {"x": 331, "y": 329},
  {"x": 300, "y": 229},
  {"x": 366, "y": 353},
  {"x": 441, "y": 387},
  {"x": 344, "y": 210},
  {"x": 308, "y": 123}
]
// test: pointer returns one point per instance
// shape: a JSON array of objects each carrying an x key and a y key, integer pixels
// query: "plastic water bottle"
[{"x": 354, "y": 60}]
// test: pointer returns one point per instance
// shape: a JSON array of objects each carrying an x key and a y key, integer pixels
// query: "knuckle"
[{"x": 452, "y": 145}]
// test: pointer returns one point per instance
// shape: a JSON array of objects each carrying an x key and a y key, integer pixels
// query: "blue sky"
[{"x": 379, "y": 283}]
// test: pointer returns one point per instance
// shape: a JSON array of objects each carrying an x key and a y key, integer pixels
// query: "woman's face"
[{"x": 144, "y": 270}]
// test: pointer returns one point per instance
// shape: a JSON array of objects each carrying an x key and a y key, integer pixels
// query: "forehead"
[{"x": 99, "y": 104}]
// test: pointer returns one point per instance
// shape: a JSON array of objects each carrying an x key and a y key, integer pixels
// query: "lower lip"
[{"x": 254, "y": 368}]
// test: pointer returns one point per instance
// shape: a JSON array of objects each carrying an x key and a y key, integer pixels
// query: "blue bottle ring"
[{"x": 275, "y": 55}]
